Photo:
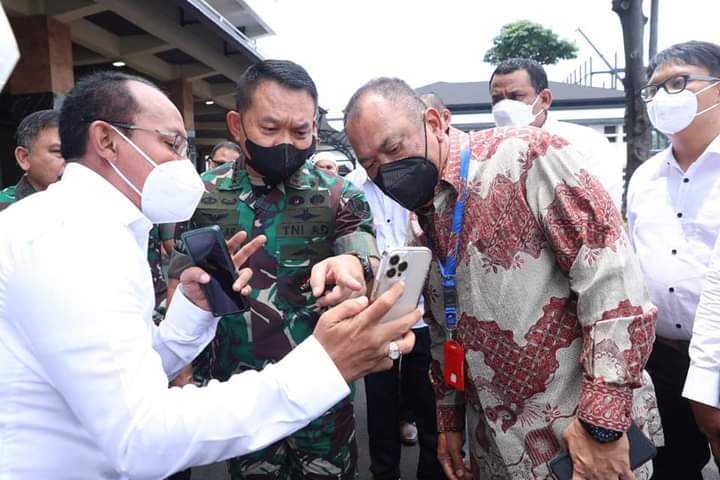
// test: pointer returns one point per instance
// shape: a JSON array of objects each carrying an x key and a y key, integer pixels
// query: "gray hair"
[
  {"x": 33, "y": 124},
  {"x": 392, "y": 89}
]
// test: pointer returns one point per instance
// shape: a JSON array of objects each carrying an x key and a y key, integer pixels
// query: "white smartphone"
[{"x": 407, "y": 264}]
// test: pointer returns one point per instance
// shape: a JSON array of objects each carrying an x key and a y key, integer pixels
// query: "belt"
[{"x": 682, "y": 346}]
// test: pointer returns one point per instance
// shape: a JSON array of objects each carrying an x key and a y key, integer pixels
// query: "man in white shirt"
[
  {"x": 520, "y": 96},
  {"x": 83, "y": 369},
  {"x": 673, "y": 211}
]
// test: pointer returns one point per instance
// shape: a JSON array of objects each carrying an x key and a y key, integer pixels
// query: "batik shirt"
[
  {"x": 553, "y": 315},
  {"x": 311, "y": 217},
  {"x": 15, "y": 193}
]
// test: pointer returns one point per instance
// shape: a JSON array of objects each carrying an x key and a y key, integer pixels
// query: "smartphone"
[
  {"x": 407, "y": 264},
  {"x": 207, "y": 249},
  {"x": 641, "y": 450}
]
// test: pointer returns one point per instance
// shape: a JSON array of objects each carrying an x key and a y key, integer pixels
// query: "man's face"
[
  {"x": 518, "y": 86},
  {"x": 276, "y": 115},
  {"x": 223, "y": 155},
  {"x": 381, "y": 133},
  {"x": 706, "y": 99},
  {"x": 328, "y": 166},
  {"x": 42, "y": 162},
  {"x": 157, "y": 113}
]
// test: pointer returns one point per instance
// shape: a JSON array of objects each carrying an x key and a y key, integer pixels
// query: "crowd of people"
[{"x": 548, "y": 324}]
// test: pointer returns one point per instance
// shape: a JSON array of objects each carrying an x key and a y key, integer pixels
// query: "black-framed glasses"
[
  {"x": 673, "y": 85},
  {"x": 177, "y": 142}
]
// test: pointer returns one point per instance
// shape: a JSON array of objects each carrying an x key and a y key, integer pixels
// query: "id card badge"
[{"x": 454, "y": 365}]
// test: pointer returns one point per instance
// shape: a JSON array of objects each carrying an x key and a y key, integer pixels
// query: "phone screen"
[{"x": 210, "y": 253}]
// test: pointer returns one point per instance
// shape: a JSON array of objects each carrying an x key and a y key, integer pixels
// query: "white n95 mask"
[
  {"x": 172, "y": 190},
  {"x": 514, "y": 113},
  {"x": 674, "y": 113}
]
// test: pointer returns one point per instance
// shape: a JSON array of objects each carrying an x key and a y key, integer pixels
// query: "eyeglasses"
[
  {"x": 673, "y": 85},
  {"x": 177, "y": 142}
]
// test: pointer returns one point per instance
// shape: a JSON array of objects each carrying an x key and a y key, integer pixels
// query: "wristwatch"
[
  {"x": 367, "y": 268},
  {"x": 600, "y": 434}
]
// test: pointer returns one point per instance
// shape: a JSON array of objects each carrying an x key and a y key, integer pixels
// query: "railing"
[{"x": 210, "y": 12}]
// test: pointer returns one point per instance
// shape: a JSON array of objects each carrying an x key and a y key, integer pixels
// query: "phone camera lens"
[
  {"x": 391, "y": 273},
  {"x": 394, "y": 260},
  {"x": 403, "y": 266}
]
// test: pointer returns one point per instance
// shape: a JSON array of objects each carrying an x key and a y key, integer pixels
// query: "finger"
[
  {"x": 400, "y": 326},
  {"x": 317, "y": 278},
  {"x": 347, "y": 309},
  {"x": 242, "y": 280},
  {"x": 385, "y": 363},
  {"x": 382, "y": 305},
  {"x": 406, "y": 342},
  {"x": 627, "y": 474},
  {"x": 194, "y": 275},
  {"x": 335, "y": 296},
  {"x": 447, "y": 467},
  {"x": 458, "y": 464},
  {"x": 346, "y": 280},
  {"x": 241, "y": 256},
  {"x": 236, "y": 241}
]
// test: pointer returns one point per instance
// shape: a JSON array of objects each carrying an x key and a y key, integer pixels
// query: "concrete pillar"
[
  {"x": 180, "y": 92},
  {"x": 41, "y": 79}
]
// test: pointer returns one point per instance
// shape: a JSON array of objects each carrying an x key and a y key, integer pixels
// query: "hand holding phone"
[{"x": 215, "y": 284}]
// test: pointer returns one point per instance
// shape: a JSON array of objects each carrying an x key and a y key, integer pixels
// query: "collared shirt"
[
  {"x": 389, "y": 217},
  {"x": 16, "y": 193},
  {"x": 84, "y": 371},
  {"x": 703, "y": 378},
  {"x": 674, "y": 220},
  {"x": 600, "y": 160},
  {"x": 306, "y": 219},
  {"x": 552, "y": 314}
]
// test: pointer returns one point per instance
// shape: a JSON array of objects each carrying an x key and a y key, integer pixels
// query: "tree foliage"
[{"x": 526, "y": 39}]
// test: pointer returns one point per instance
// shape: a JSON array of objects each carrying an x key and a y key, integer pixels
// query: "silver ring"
[{"x": 393, "y": 351}]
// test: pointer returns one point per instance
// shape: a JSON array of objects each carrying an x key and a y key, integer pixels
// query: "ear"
[
  {"x": 102, "y": 141},
  {"x": 235, "y": 127},
  {"x": 433, "y": 119},
  {"x": 22, "y": 155},
  {"x": 545, "y": 99}
]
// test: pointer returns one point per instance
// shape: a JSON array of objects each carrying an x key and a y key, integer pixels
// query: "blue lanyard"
[{"x": 447, "y": 270}]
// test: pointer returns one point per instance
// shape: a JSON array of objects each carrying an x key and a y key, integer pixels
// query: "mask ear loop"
[{"x": 711, "y": 106}]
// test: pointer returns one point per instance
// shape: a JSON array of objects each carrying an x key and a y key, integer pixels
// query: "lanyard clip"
[{"x": 450, "y": 300}]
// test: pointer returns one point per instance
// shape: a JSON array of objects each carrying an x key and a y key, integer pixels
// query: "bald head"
[{"x": 392, "y": 91}]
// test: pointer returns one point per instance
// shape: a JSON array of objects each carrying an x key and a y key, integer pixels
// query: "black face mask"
[
  {"x": 277, "y": 163},
  {"x": 410, "y": 181}
]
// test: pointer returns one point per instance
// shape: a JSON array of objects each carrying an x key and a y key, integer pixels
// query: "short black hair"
[
  {"x": 226, "y": 144},
  {"x": 536, "y": 72},
  {"x": 99, "y": 96},
  {"x": 33, "y": 124},
  {"x": 286, "y": 73},
  {"x": 699, "y": 54},
  {"x": 393, "y": 89}
]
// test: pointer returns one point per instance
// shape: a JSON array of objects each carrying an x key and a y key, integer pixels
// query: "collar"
[
  {"x": 82, "y": 181},
  {"x": 451, "y": 170},
  {"x": 669, "y": 158},
  {"x": 24, "y": 188},
  {"x": 359, "y": 175}
]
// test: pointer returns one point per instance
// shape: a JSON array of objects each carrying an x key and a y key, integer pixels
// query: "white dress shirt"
[
  {"x": 84, "y": 371},
  {"x": 390, "y": 218},
  {"x": 601, "y": 161},
  {"x": 703, "y": 379},
  {"x": 674, "y": 220}
]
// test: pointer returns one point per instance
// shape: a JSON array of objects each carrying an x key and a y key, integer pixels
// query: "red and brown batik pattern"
[{"x": 554, "y": 318}]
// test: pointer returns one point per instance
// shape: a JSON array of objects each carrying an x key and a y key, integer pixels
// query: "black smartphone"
[
  {"x": 207, "y": 249},
  {"x": 641, "y": 450}
]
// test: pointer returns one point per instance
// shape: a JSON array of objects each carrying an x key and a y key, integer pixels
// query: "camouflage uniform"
[
  {"x": 216, "y": 174},
  {"x": 311, "y": 217},
  {"x": 15, "y": 193},
  {"x": 158, "y": 234}
]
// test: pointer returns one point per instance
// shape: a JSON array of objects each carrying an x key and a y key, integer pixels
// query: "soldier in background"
[
  {"x": 319, "y": 231},
  {"x": 38, "y": 154},
  {"x": 221, "y": 160}
]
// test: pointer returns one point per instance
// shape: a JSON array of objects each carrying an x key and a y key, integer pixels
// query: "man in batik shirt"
[{"x": 554, "y": 322}]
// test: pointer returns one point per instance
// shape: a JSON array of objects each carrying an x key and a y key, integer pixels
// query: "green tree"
[{"x": 525, "y": 39}]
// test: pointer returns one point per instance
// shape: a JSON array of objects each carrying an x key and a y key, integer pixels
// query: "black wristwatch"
[
  {"x": 367, "y": 268},
  {"x": 600, "y": 434}
]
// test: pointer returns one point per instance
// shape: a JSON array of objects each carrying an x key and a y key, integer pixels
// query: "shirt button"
[
  {"x": 388, "y": 220},
  {"x": 677, "y": 325},
  {"x": 679, "y": 215},
  {"x": 671, "y": 289},
  {"x": 686, "y": 180},
  {"x": 673, "y": 251}
]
